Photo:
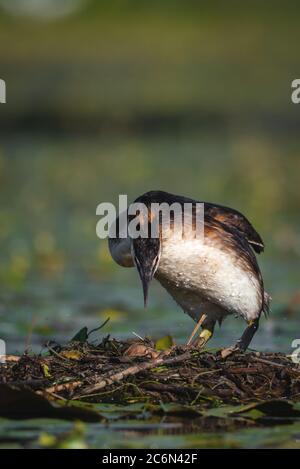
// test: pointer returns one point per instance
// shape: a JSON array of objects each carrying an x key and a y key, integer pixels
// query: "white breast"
[{"x": 192, "y": 266}]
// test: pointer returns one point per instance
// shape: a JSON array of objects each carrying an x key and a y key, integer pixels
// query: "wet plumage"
[{"x": 214, "y": 276}]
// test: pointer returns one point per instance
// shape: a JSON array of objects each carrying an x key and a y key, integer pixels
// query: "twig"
[
  {"x": 30, "y": 331},
  {"x": 100, "y": 327},
  {"x": 55, "y": 396},
  {"x": 133, "y": 370},
  {"x": 9, "y": 358},
  {"x": 138, "y": 336},
  {"x": 61, "y": 387},
  {"x": 201, "y": 320},
  {"x": 268, "y": 362},
  {"x": 205, "y": 373},
  {"x": 161, "y": 387},
  {"x": 248, "y": 370}
]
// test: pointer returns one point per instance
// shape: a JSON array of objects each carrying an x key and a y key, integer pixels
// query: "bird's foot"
[
  {"x": 203, "y": 338},
  {"x": 243, "y": 343},
  {"x": 225, "y": 352},
  {"x": 199, "y": 343}
]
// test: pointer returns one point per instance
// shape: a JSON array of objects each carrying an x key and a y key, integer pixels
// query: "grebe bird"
[{"x": 210, "y": 277}]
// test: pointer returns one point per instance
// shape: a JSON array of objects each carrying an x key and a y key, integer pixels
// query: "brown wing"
[
  {"x": 234, "y": 240},
  {"x": 233, "y": 218}
]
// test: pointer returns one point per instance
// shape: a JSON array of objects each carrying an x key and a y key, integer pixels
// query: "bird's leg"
[
  {"x": 199, "y": 323},
  {"x": 243, "y": 343}
]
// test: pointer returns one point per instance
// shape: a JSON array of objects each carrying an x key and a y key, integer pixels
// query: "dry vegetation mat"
[{"x": 117, "y": 379}]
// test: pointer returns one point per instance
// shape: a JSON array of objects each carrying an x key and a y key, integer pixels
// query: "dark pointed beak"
[
  {"x": 145, "y": 253},
  {"x": 146, "y": 277}
]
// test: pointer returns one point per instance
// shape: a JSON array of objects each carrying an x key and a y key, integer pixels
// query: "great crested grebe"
[{"x": 209, "y": 277}]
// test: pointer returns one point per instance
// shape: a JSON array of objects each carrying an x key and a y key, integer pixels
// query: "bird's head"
[{"x": 146, "y": 255}]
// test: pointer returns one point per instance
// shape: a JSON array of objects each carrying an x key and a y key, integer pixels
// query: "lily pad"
[{"x": 24, "y": 404}]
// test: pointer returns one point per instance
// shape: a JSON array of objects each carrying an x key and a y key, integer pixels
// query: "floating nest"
[{"x": 135, "y": 371}]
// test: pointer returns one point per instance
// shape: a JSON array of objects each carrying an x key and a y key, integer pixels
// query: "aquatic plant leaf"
[
  {"x": 46, "y": 371},
  {"x": 23, "y": 404},
  {"x": 81, "y": 335},
  {"x": 71, "y": 354},
  {"x": 164, "y": 343},
  {"x": 272, "y": 408},
  {"x": 179, "y": 410},
  {"x": 119, "y": 412}
]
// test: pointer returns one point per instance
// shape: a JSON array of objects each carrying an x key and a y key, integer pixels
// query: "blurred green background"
[{"x": 120, "y": 97}]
